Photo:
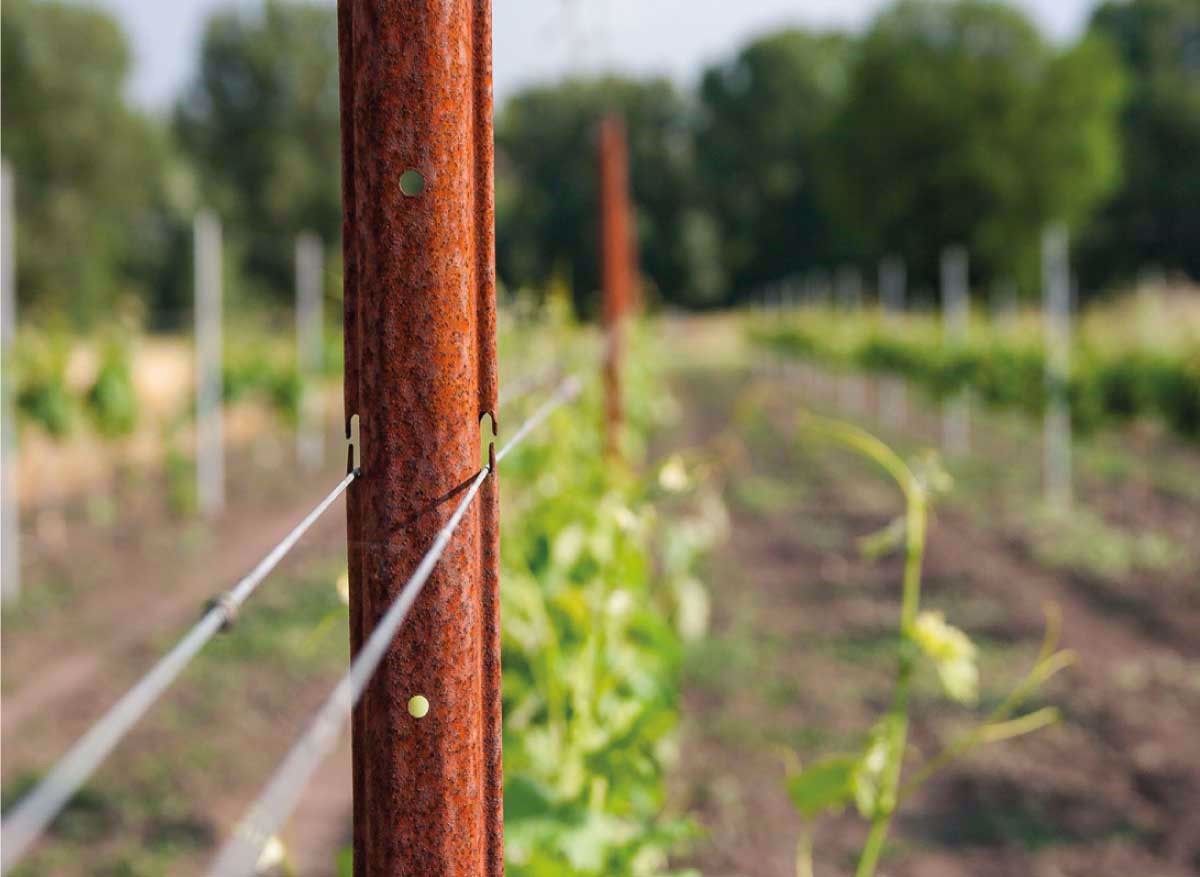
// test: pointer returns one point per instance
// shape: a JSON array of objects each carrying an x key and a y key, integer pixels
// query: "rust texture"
[
  {"x": 616, "y": 252},
  {"x": 420, "y": 375}
]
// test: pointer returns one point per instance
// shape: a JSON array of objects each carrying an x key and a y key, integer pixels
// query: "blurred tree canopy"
[
  {"x": 947, "y": 121},
  {"x": 762, "y": 119},
  {"x": 547, "y": 198},
  {"x": 962, "y": 126},
  {"x": 1154, "y": 219},
  {"x": 89, "y": 171},
  {"x": 260, "y": 125}
]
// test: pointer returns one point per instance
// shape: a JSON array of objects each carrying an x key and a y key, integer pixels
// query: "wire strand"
[
  {"x": 567, "y": 390},
  {"x": 33, "y": 813},
  {"x": 240, "y": 853},
  {"x": 527, "y": 384}
]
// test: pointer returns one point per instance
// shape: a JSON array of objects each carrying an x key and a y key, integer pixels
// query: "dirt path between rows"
[
  {"x": 799, "y": 660},
  {"x": 87, "y": 632},
  {"x": 45, "y": 680},
  {"x": 143, "y": 582}
]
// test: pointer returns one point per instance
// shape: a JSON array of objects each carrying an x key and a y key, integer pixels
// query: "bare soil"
[
  {"x": 109, "y": 583},
  {"x": 801, "y": 656}
]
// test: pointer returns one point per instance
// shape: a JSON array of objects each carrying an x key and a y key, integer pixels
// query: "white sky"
[{"x": 542, "y": 39}]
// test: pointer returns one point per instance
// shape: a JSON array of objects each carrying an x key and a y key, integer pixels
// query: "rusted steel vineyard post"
[
  {"x": 419, "y": 240},
  {"x": 617, "y": 260}
]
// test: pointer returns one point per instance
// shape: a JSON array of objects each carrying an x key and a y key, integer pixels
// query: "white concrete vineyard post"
[
  {"x": 1056, "y": 305},
  {"x": 851, "y": 387},
  {"x": 9, "y": 492},
  {"x": 310, "y": 437},
  {"x": 826, "y": 303},
  {"x": 956, "y": 411},
  {"x": 1004, "y": 306},
  {"x": 210, "y": 439},
  {"x": 893, "y": 401}
]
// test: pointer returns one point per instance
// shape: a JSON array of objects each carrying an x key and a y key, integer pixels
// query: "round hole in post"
[
  {"x": 412, "y": 183},
  {"x": 418, "y": 706}
]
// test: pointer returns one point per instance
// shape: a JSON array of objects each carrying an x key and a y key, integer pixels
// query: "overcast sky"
[{"x": 542, "y": 39}]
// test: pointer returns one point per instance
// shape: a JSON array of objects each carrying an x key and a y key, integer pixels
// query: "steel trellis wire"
[
  {"x": 33, "y": 813},
  {"x": 282, "y": 792},
  {"x": 527, "y": 384}
]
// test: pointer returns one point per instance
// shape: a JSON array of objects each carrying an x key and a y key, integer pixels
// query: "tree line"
[{"x": 942, "y": 123}]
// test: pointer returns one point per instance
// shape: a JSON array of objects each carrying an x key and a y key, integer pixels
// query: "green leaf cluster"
[
  {"x": 599, "y": 594},
  {"x": 1106, "y": 385},
  {"x": 36, "y": 374},
  {"x": 112, "y": 399}
]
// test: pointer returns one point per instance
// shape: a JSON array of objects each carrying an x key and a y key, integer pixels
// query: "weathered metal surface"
[
  {"x": 616, "y": 253},
  {"x": 420, "y": 374}
]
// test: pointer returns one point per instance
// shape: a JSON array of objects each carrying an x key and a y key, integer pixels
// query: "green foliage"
[
  {"x": 256, "y": 366},
  {"x": 961, "y": 125},
  {"x": 266, "y": 372},
  {"x": 1105, "y": 386},
  {"x": 89, "y": 171},
  {"x": 112, "y": 399},
  {"x": 1152, "y": 219},
  {"x": 546, "y": 189},
  {"x": 40, "y": 378},
  {"x": 599, "y": 594},
  {"x": 763, "y": 116},
  {"x": 947, "y": 122},
  {"x": 823, "y": 786},
  {"x": 260, "y": 124},
  {"x": 1083, "y": 540}
]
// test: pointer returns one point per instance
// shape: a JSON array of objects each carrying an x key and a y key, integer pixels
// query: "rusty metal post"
[
  {"x": 419, "y": 256},
  {"x": 616, "y": 253}
]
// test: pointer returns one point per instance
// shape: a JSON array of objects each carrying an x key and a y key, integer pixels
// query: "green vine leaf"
[{"x": 824, "y": 785}]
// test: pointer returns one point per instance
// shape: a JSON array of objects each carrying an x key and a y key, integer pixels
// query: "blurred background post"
[
  {"x": 956, "y": 315},
  {"x": 310, "y": 349},
  {"x": 892, "y": 279},
  {"x": 10, "y": 538},
  {"x": 1056, "y": 317},
  {"x": 210, "y": 432}
]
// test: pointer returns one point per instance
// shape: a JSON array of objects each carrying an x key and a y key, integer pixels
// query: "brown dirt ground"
[
  {"x": 799, "y": 654},
  {"x": 85, "y": 631}
]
